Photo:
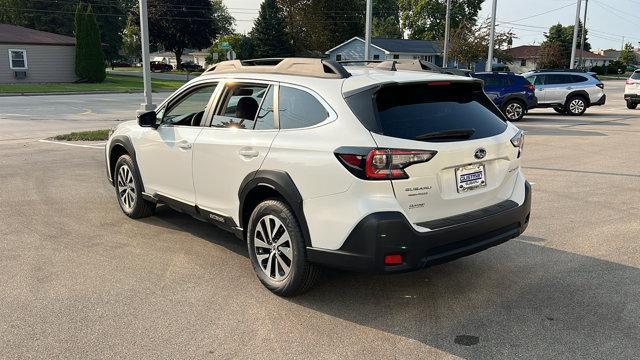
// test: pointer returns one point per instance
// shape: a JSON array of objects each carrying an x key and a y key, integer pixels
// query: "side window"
[
  {"x": 578, "y": 78},
  {"x": 299, "y": 109},
  {"x": 188, "y": 110},
  {"x": 264, "y": 120},
  {"x": 239, "y": 106},
  {"x": 539, "y": 80}
]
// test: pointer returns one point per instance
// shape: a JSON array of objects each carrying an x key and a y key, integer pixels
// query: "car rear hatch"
[{"x": 473, "y": 161}]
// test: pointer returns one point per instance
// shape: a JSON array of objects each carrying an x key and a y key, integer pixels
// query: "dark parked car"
[
  {"x": 190, "y": 67},
  {"x": 512, "y": 93},
  {"x": 119, "y": 63},
  {"x": 159, "y": 66}
]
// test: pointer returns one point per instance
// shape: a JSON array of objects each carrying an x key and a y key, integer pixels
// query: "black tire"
[
  {"x": 135, "y": 206},
  {"x": 514, "y": 110},
  {"x": 302, "y": 274},
  {"x": 631, "y": 105},
  {"x": 559, "y": 110},
  {"x": 575, "y": 106}
]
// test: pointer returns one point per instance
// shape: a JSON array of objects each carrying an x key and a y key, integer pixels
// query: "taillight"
[
  {"x": 383, "y": 164},
  {"x": 600, "y": 85},
  {"x": 630, "y": 82},
  {"x": 518, "y": 141},
  {"x": 531, "y": 87}
]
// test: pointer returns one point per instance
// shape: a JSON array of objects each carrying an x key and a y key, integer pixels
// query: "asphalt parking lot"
[{"x": 78, "y": 279}]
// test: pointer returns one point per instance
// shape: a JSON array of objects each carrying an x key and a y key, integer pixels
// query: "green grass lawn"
[
  {"x": 91, "y": 135},
  {"x": 115, "y": 83}
]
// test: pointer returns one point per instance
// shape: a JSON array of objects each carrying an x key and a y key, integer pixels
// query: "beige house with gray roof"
[{"x": 28, "y": 55}]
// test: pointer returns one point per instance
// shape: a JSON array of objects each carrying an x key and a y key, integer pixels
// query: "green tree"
[
  {"x": 470, "y": 43},
  {"x": 269, "y": 33},
  {"x": 93, "y": 55},
  {"x": 627, "y": 55},
  {"x": 190, "y": 24},
  {"x": 242, "y": 45},
  {"x": 562, "y": 36},
  {"x": 552, "y": 56},
  {"x": 386, "y": 20},
  {"x": 79, "y": 34},
  {"x": 425, "y": 19},
  {"x": 131, "y": 46}
]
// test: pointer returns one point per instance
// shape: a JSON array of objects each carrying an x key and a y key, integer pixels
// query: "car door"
[
  {"x": 492, "y": 87},
  {"x": 558, "y": 86},
  {"x": 233, "y": 145},
  {"x": 165, "y": 155},
  {"x": 539, "y": 81}
]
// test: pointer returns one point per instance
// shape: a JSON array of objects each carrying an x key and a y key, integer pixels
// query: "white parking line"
[{"x": 94, "y": 146}]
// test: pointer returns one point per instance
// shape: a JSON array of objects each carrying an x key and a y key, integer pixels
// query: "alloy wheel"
[
  {"x": 576, "y": 106},
  {"x": 126, "y": 188},
  {"x": 272, "y": 246},
  {"x": 514, "y": 111}
]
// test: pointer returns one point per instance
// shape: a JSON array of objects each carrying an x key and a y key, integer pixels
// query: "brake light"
[
  {"x": 630, "y": 82},
  {"x": 518, "y": 141},
  {"x": 600, "y": 85},
  {"x": 383, "y": 164},
  {"x": 531, "y": 87}
]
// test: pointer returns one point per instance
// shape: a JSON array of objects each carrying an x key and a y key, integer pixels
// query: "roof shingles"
[{"x": 11, "y": 34}]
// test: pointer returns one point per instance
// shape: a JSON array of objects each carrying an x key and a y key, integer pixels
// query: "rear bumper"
[
  {"x": 600, "y": 101},
  {"x": 389, "y": 233},
  {"x": 632, "y": 97}
]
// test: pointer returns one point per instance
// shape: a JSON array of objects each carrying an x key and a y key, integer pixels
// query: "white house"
[{"x": 526, "y": 58}]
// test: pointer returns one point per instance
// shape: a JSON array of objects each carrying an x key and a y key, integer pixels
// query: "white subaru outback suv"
[{"x": 315, "y": 164}]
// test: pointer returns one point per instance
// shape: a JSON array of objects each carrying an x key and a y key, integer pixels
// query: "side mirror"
[{"x": 148, "y": 119}]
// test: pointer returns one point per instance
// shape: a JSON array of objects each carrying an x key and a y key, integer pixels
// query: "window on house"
[
  {"x": 338, "y": 57},
  {"x": 17, "y": 59},
  {"x": 523, "y": 62},
  {"x": 396, "y": 56},
  {"x": 376, "y": 57}
]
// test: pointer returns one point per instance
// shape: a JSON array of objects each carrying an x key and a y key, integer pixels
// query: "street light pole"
[
  {"x": 367, "y": 30},
  {"x": 445, "y": 55},
  {"x": 572, "y": 65},
  {"x": 488, "y": 66},
  {"x": 148, "y": 105},
  {"x": 584, "y": 31}
]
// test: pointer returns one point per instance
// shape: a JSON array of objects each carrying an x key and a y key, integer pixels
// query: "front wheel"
[
  {"x": 129, "y": 189},
  {"x": 631, "y": 105},
  {"x": 514, "y": 110},
  {"x": 277, "y": 250},
  {"x": 576, "y": 106}
]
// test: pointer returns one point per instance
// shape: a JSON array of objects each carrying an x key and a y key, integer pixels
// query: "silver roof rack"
[{"x": 286, "y": 66}]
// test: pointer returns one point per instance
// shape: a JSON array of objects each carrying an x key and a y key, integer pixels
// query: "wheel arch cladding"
[
  {"x": 581, "y": 93},
  {"x": 120, "y": 145},
  {"x": 263, "y": 184}
]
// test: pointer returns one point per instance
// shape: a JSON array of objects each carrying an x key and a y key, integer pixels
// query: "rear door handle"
[
  {"x": 248, "y": 152},
  {"x": 184, "y": 145}
]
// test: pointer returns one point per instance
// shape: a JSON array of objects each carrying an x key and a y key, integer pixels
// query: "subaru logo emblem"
[{"x": 480, "y": 153}]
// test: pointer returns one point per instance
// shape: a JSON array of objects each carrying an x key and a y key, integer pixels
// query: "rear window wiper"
[{"x": 447, "y": 134}]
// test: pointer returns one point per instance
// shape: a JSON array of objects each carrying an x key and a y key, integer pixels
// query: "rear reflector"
[{"x": 395, "y": 259}]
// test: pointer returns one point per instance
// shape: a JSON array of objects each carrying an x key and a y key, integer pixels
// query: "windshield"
[{"x": 437, "y": 112}]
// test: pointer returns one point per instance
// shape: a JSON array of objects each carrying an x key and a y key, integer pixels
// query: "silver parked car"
[{"x": 567, "y": 92}]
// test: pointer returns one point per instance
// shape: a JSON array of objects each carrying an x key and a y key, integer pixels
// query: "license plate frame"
[{"x": 470, "y": 177}]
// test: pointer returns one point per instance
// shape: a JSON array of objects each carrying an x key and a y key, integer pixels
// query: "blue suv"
[{"x": 512, "y": 93}]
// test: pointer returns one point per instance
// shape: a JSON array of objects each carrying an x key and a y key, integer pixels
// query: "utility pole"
[
  {"x": 492, "y": 36},
  {"x": 584, "y": 31},
  {"x": 367, "y": 31},
  {"x": 445, "y": 55},
  {"x": 572, "y": 65},
  {"x": 148, "y": 105}
]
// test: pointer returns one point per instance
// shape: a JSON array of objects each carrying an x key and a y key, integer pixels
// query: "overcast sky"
[{"x": 607, "y": 20}]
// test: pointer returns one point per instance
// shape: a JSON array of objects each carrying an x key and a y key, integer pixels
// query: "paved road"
[
  {"x": 154, "y": 75},
  {"x": 80, "y": 280}
]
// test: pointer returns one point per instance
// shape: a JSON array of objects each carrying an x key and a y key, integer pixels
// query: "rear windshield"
[{"x": 411, "y": 111}]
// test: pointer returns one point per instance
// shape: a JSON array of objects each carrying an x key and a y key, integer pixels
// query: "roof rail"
[
  {"x": 286, "y": 66},
  {"x": 396, "y": 64},
  {"x": 560, "y": 70}
]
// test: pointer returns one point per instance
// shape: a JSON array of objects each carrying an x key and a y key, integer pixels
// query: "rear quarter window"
[
  {"x": 408, "y": 111},
  {"x": 635, "y": 75},
  {"x": 299, "y": 109}
]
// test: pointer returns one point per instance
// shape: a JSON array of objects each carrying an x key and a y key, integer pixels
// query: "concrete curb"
[{"x": 81, "y": 93}]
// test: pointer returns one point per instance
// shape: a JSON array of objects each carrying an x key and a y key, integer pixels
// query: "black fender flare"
[
  {"x": 283, "y": 184},
  {"x": 125, "y": 142},
  {"x": 583, "y": 94}
]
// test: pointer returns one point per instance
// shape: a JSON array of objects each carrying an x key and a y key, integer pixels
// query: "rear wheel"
[
  {"x": 277, "y": 250},
  {"x": 631, "y": 105},
  {"x": 129, "y": 189},
  {"x": 559, "y": 110},
  {"x": 576, "y": 106},
  {"x": 514, "y": 110}
]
